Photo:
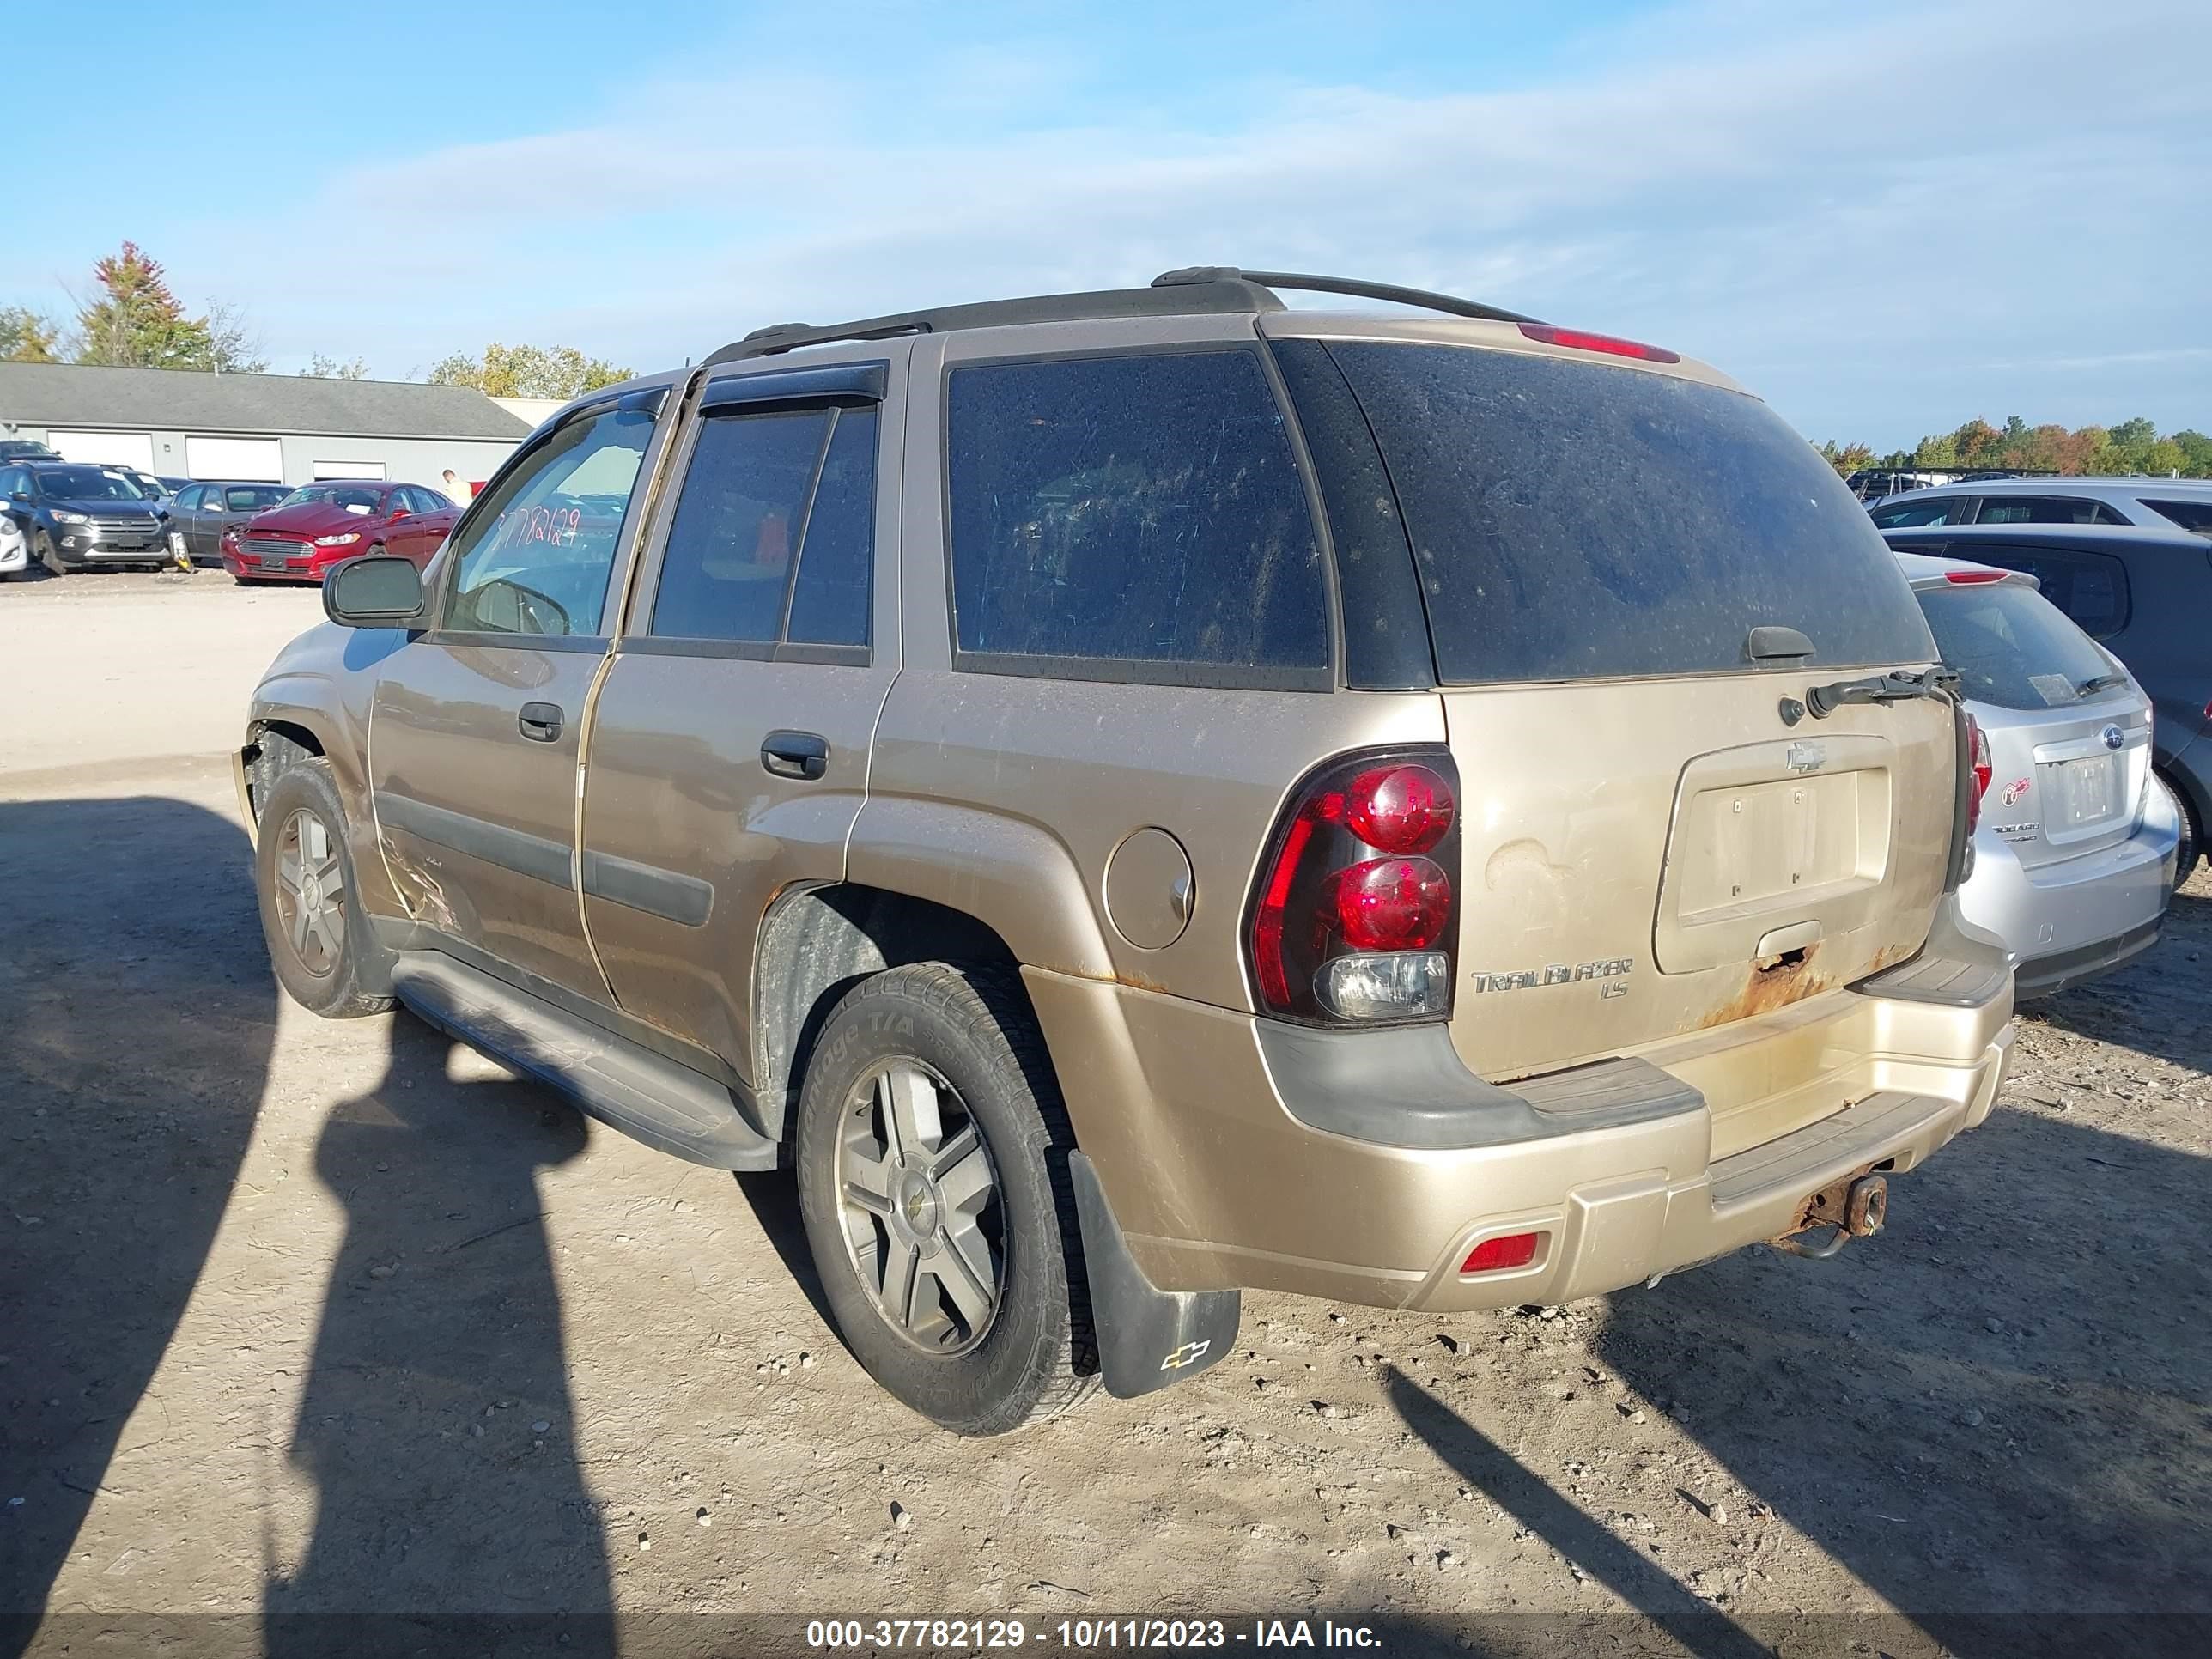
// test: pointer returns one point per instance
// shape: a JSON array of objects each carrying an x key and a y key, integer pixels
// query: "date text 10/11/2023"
[{"x": 1086, "y": 1634}]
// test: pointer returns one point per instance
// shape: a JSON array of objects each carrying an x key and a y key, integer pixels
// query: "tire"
[
  {"x": 2192, "y": 838},
  {"x": 958, "y": 1047},
  {"x": 329, "y": 963},
  {"x": 46, "y": 555}
]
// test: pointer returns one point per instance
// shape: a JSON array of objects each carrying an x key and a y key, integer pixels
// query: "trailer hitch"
[{"x": 1854, "y": 1207}]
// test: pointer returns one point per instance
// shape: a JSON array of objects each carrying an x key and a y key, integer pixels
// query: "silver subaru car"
[{"x": 2074, "y": 847}]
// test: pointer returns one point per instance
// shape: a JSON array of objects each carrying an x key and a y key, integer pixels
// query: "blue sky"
[{"x": 1885, "y": 218}]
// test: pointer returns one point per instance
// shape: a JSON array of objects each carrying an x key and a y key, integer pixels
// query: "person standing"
[{"x": 456, "y": 491}]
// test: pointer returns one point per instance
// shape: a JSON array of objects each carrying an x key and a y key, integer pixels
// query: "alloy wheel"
[
  {"x": 310, "y": 893},
  {"x": 918, "y": 1197}
]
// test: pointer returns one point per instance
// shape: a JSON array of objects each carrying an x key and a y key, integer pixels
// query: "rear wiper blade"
[
  {"x": 2098, "y": 683},
  {"x": 1822, "y": 701}
]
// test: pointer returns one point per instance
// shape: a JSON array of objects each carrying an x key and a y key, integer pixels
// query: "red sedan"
[{"x": 300, "y": 538}]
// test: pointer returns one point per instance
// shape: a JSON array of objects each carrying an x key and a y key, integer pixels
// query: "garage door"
[
  {"x": 134, "y": 449},
  {"x": 251, "y": 460}
]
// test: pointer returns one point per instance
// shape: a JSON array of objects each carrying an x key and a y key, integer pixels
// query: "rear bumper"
[
  {"x": 1213, "y": 1139},
  {"x": 2071, "y": 921}
]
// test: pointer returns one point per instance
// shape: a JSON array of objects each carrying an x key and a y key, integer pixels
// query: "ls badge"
[{"x": 1563, "y": 973}]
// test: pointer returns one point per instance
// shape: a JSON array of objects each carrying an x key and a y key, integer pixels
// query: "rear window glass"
[
  {"x": 2011, "y": 646},
  {"x": 2189, "y": 515},
  {"x": 2091, "y": 588},
  {"x": 1572, "y": 520},
  {"x": 1131, "y": 517},
  {"x": 1907, "y": 516},
  {"x": 2045, "y": 509}
]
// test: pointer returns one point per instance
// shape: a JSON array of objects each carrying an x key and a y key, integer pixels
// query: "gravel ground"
[{"x": 307, "y": 1317}]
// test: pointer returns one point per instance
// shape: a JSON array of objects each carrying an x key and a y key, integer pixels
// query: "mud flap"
[{"x": 1147, "y": 1337}]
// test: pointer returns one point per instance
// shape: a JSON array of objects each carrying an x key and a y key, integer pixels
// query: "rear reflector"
[
  {"x": 1970, "y": 578},
  {"x": 1495, "y": 1255},
  {"x": 1581, "y": 340}
]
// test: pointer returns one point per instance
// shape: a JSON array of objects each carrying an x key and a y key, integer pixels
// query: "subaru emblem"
[{"x": 2113, "y": 736}]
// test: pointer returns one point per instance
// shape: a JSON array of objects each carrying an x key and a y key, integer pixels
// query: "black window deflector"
[{"x": 849, "y": 385}]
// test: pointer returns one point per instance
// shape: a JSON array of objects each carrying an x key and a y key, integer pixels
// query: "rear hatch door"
[
  {"x": 1649, "y": 846},
  {"x": 2069, "y": 734}
]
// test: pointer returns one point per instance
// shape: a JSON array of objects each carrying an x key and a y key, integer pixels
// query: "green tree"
[
  {"x": 528, "y": 371},
  {"x": 27, "y": 337},
  {"x": 1846, "y": 458},
  {"x": 330, "y": 369},
  {"x": 137, "y": 322}
]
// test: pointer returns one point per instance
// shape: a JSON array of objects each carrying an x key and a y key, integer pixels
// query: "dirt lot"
[{"x": 300, "y": 1318}]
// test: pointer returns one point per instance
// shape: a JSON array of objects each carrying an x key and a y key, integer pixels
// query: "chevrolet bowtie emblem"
[{"x": 1189, "y": 1354}]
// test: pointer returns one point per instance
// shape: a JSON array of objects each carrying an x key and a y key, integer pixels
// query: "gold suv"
[{"x": 1142, "y": 793}]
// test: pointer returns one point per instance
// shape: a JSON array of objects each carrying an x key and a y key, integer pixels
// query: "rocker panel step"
[{"x": 647, "y": 1096}]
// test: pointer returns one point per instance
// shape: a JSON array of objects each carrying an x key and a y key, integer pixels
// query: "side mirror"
[
  {"x": 377, "y": 591},
  {"x": 21, "y": 496}
]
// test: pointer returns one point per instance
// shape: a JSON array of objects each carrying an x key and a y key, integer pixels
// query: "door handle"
[
  {"x": 540, "y": 721},
  {"x": 795, "y": 754}
]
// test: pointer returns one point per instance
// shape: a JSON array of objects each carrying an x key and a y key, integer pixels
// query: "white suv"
[{"x": 2158, "y": 502}]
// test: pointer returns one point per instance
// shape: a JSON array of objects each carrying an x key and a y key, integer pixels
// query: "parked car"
[
  {"x": 2156, "y": 503},
  {"x": 318, "y": 524},
  {"x": 1135, "y": 796},
  {"x": 2074, "y": 852},
  {"x": 26, "y": 449},
  {"x": 2142, "y": 594},
  {"x": 200, "y": 513},
  {"x": 15, "y": 550},
  {"x": 1872, "y": 483},
  {"x": 75, "y": 516}
]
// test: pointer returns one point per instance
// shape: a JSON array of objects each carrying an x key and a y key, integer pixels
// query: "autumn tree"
[
  {"x": 528, "y": 371},
  {"x": 27, "y": 337},
  {"x": 2131, "y": 446},
  {"x": 136, "y": 321}
]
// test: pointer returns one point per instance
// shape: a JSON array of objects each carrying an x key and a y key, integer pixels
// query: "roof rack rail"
[
  {"x": 1194, "y": 289},
  {"x": 1425, "y": 299},
  {"x": 1229, "y": 296}
]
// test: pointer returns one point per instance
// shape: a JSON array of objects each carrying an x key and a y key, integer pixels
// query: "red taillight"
[
  {"x": 1492, "y": 1255},
  {"x": 1978, "y": 746},
  {"x": 1399, "y": 809},
  {"x": 1352, "y": 918},
  {"x": 1581, "y": 340},
  {"x": 1972, "y": 578},
  {"x": 1391, "y": 904}
]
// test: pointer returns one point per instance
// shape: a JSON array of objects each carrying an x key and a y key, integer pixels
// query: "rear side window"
[
  {"x": 1136, "y": 517},
  {"x": 1906, "y": 515},
  {"x": 2189, "y": 515},
  {"x": 2091, "y": 588},
  {"x": 253, "y": 499},
  {"x": 776, "y": 517},
  {"x": 1571, "y": 521},
  {"x": 737, "y": 526},
  {"x": 2046, "y": 509},
  {"x": 2011, "y": 646}
]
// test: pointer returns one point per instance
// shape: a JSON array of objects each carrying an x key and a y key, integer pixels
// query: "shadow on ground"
[
  {"x": 135, "y": 1034},
  {"x": 437, "y": 1423},
  {"x": 2148, "y": 1005},
  {"x": 1906, "y": 1407}
]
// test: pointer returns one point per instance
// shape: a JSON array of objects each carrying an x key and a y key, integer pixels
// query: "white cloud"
[{"x": 1908, "y": 216}]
